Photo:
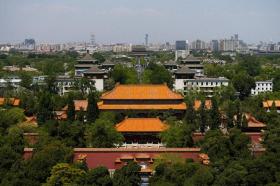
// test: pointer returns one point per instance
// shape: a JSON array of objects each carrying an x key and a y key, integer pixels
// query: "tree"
[
  {"x": 38, "y": 168},
  {"x": 15, "y": 115},
  {"x": 8, "y": 158},
  {"x": 190, "y": 115},
  {"x": 92, "y": 108},
  {"x": 102, "y": 134},
  {"x": 71, "y": 134},
  {"x": 11, "y": 149},
  {"x": 26, "y": 80},
  {"x": 215, "y": 117},
  {"x": 100, "y": 58},
  {"x": 65, "y": 174},
  {"x": 216, "y": 145},
  {"x": 243, "y": 83},
  {"x": 234, "y": 174},
  {"x": 128, "y": 175},
  {"x": 230, "y": 112},
  {"x": 157, "y": 74},
  {"x": 276, "y": 81},
  {"x": 251, "y": 64},
  {"x": 178, "y": 135},
  {"x": 45, "y": 108},
  {"x": 203, "y": 177},
  {"x": 84, "y": 85},
  {"x": 50, "y": 84},
  {"x": 124, "y": 75},
  {"x": 71, "y": 113},
  {"x": 203, "y": 117},
  {"x": 239, "y": 143},
  {"x": 98, "y": 176},
  {"x": 238, "y": 122}
]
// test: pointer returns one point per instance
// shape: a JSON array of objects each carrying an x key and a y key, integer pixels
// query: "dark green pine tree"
[
  {"x": 190, "y": 116},
  {"x": 45, "y": 108},
  {"x": 71, "y": 109},
  {"x": 244, "y": 123},
  {"x": 203, "y": 117},
  {"x": 230, "y": 114},
  {"x": 215, "y": 117},
  {"x": 238, "y": 114},
  {"x": 92, "y": 109}
]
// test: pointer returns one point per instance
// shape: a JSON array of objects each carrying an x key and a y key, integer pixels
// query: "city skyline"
[{"x": 128, "y": 22}]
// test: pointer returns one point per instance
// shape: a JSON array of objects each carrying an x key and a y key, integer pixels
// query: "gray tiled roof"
[{"x": 185, "y": 70}]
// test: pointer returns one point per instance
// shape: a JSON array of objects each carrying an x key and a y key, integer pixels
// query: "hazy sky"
[{"x": 129, "y": 20}]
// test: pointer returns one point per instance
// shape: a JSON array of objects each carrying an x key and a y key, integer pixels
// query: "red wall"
[
  {"x": 107, "y": 159},
  {"x": 255, "y": 136}
]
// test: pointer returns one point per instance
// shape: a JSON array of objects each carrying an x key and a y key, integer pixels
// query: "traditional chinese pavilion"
[
  {"x": 142, "y": 98},
  {"x": 141, "y": 131}
]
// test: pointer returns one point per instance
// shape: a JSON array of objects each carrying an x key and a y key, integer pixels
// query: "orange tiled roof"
[
  {"x": 143, "y": 91},
  {"x": 197, "y": 104},
  {"x": 12, "y": 101},
  {"x": 253, "y": 122},
  {"x": 61, "y": 115},
  {"x": 31, "y": 120},
  {"x": 78, "y": 105},
  {"x": 180, "y": 106},
  {"x": 268, "y": 103},
  {"x": 141, "y": 125}
]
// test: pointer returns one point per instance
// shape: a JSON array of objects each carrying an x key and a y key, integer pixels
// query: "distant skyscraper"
[
  {"x": 215, "y": 45},
  {"x": 181, "y": 45},
  {"x": 92, "y": 39},
  {"x": 181, "y": 48},
  {"x": 146, "y": 40},
  {"x": 236, "y": 37}
]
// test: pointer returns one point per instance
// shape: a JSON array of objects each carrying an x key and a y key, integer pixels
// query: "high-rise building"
[
  {"x": 92, "y": 39},
  {"x": 181, "y": 45},
  {"x": 214, "y": 45},
  {"x": 146, "y": 40},
  {"x": 227, "y": 45}
]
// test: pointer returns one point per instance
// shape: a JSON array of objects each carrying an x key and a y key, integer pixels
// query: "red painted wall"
[
  {"x": 107, "y": 159},
  {"x": 255, "y": 136}
]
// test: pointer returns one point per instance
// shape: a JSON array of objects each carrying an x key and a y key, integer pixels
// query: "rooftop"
[
  {"x": 141, "y": 125},
  {"x": 94, "y": 70},
  {"x": 191, "y": 58},
  {"x": 180, "y": 106},
  {"x": 78, "y": 105},
  {"x": 11, "y": 101},
  {"x": 185, "y": 70},
  {"x": 141, "y": 92},
  {"x": 87, "y": 57},
  {"x": 219, "y": 79},
  {"x": 268, "y": 103},
  {"x": 197, "y": 104},
  {"x": 253, "y": 122}
]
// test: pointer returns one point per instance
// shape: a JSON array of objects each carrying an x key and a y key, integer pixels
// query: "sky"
[{"x": 127, "y": 21}]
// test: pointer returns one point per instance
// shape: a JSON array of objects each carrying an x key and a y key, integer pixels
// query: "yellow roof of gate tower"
[
  {"x": 142, "y": 91},
  {"x": 141, "y": 125}
]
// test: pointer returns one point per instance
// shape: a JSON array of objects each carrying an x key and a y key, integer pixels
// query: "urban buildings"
[
  {"x": 204, "y": 85},
  {"x": 87, "y": 67},
  {"x": 181, "y": 49},
  {"x": 193, "y": 63},
  {"x": 13, "y": 81},
  {"x": 262, "y": 86}
]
